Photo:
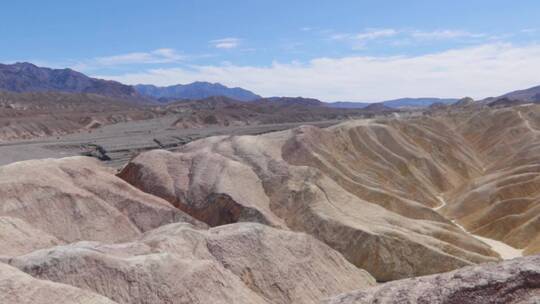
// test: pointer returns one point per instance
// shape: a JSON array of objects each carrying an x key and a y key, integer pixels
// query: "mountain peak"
[{"x": 196, "y": 90}]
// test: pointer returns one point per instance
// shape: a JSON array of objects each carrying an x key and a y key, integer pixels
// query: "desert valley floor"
[{"x": 435, "y": 208}]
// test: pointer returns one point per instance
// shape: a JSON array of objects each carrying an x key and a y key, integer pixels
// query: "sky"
[{"x": 350, "y": 50}]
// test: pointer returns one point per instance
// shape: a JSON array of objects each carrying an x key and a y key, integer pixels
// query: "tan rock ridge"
[
  {"x": 177, "y": 263},
  {"x": 74, "y": 199}
]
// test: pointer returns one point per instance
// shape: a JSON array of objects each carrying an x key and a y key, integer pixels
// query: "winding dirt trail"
[{"x": 504, "y": 250}]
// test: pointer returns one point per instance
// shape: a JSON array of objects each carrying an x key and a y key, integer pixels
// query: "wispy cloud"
[
  {"x": 369, "y": 34},
  {"x": 404, "y": 36},
  {"x": 158, "y": 56},
  {"x": 360, "y": 40},
  {"x": 451, "y": 73},
  {"x": 530, "y": 31},
  {"x": 444, "y": 34},
  {"x": 375, "y": 34},
  {"x": 226, "y": 43}
]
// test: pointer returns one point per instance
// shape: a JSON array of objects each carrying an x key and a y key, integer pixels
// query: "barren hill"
[
  {"x": 367, "y": 181},
  {"x": 130, "y": 254},
  {"x": 342, "y": 181},
  {"x": 296, "y": 216},
  {"x": 223, "y": 111},
  {"x": 39, "y": 114}
]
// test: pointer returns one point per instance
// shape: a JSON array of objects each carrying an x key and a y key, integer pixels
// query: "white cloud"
[
  {"x": 375, "y": 34},
  {"x": 444, "y": 34},
  {"x": 479, "y": 71},
  {"x": 360, "y": 40},
  {"x": 370, "y": 34},
  {"x": 155, "y": 56},
  {"x": 405, "y": 36},
  {"x": 529, "y": 31},
  {"x": 226, "y": 43},
  {"x": 164, "y": 55}
]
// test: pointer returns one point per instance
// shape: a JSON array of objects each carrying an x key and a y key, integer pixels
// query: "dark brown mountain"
[
  {"x": 291, "y": 101},
  {"x": 26, "y": 77},
  {"x": 38, "y": 114},
  {"x": 529, "y": 95},
  {"x": 506, "y": 102},
  {"x": 378, "y": 107}
]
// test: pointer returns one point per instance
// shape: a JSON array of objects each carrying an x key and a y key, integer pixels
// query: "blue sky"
[{"x": 332, "y": 50}]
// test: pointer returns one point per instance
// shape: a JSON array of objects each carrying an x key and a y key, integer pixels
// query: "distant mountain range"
[
  {"x": 396, "y": 103},
  {"x": 29, "y": 78},
  {"x": 195, "y": 90},
  {"x": 26, "y": 77}
]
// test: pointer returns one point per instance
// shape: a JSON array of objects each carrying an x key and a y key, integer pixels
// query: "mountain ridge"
[
  {"x": 531, "y": 94},
  {"x": 195, "y": 90},
  {"x": 24, "y": 77},
  {"x": 405, "y": 102}
]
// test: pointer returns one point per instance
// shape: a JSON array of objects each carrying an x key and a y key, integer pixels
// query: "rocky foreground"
[
  {"x": 298, "y": 216},
  {"x": 514, "y": 281}
]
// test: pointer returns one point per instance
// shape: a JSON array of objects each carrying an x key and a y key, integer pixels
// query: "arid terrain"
[
  {"x": 110, "y": 196},
  {"x": 270, "y": 152},
  {"x": 360, "y": 210}
]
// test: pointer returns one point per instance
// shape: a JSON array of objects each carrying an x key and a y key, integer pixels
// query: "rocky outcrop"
[
  {"x": 176, "y": 263},
  {"x": 19, "y": 287},
  {"x": 512, "y": 281},
  {"x": 76, "y": 199},
  {"x": 365, "y": 188}
]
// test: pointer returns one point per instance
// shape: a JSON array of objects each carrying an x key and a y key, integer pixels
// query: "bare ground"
[{"x": 116, "y": 144}]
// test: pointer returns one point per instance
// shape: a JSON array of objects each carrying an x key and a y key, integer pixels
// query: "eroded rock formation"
[
  {"x": 513, "y": 281},
  {"x": 286, "y": 217},
  {"x": 177, "y": 263},
  {"x": 76, "y": 199},
  {"x": 365, "y": 188}
]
